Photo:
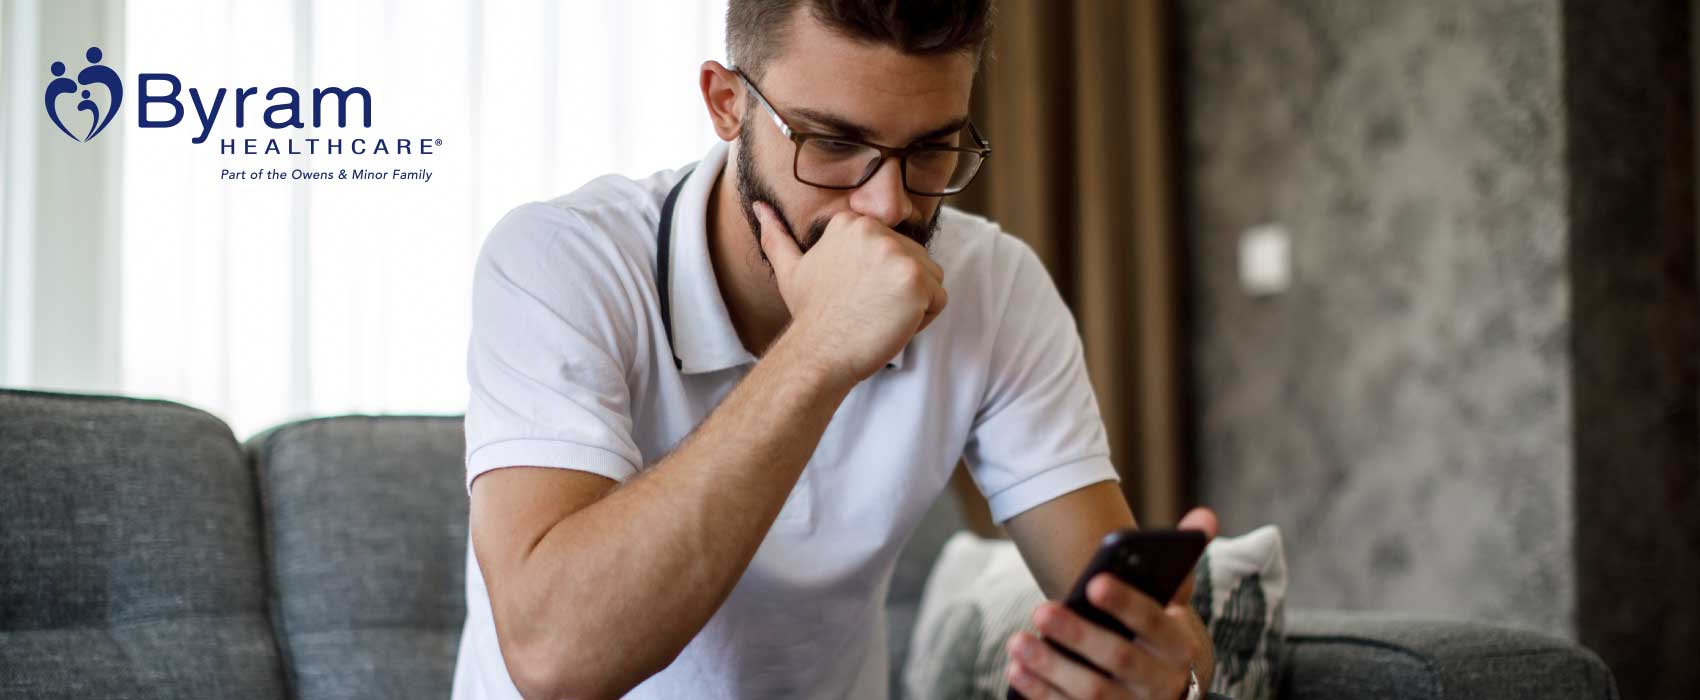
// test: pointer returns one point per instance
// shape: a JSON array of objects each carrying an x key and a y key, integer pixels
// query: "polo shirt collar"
[{"x": 703, "y": 338}]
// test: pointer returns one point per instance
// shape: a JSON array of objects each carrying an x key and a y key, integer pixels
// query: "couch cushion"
[
  {"x": 130, "y": 561},
  {"x": 366, "y": 523},
  {"x": 1392, "y": 656}
]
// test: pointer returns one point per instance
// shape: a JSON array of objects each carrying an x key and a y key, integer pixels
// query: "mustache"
[{"x": 917, "y": 231}]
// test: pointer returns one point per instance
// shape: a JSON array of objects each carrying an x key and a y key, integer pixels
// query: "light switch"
[{"x": 1266, "y": 265}]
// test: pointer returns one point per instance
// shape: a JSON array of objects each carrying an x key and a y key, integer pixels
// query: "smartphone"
[{"x": 1154, "y": 562}]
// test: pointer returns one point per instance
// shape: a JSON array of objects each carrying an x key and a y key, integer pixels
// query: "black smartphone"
[{"x": 1154, "y": 562}]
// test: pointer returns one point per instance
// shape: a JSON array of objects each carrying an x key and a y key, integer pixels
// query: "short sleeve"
[
  {"x": 1037, "y": 433},
  {"x": 546, "y": 362}
]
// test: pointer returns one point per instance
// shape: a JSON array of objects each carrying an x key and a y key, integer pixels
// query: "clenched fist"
[{"x": 859, "y": 295}]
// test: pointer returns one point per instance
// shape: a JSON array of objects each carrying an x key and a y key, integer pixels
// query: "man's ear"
[{"x": 723, "y": 94}]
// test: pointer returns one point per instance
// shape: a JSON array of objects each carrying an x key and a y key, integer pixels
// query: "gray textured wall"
[{"x": 1403, "y": 412}]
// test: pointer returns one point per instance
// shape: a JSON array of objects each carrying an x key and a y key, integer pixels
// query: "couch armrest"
[{"x": 1350, "y": 655}]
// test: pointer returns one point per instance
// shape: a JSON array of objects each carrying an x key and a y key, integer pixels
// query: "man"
[{"x": 709, "y": 407}]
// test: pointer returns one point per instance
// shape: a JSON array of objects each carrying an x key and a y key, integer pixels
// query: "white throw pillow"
[
  {"x": 1240, "y": 591},
  {"x": 980, "y": 592}
]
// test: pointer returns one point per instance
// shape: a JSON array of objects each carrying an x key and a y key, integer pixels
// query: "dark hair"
[{"x": 755, "y": 28}]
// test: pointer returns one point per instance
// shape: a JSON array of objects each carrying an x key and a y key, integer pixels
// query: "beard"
[{"x": 752, "y": 188}]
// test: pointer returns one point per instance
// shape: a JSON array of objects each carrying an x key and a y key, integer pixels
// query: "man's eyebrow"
[{"x": 844, "y": 127}]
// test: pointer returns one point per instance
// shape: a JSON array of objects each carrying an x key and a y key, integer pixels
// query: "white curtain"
[{"x": 266, "y": 301}]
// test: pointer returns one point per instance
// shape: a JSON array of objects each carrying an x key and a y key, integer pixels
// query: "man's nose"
[{"x": 883, "y": 196}]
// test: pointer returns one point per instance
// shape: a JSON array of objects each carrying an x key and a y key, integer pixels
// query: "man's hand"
[
  {"x": 862, "y": 292},
  {"x": 1169, "y": 642}
]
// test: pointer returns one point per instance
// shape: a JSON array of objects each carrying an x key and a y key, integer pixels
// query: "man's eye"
[{"x": 836, "y": 147}]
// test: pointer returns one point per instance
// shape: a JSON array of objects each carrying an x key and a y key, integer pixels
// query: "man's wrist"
[
  {"x": 793, "y": 354},
  {"x": 794, "y": 360}
]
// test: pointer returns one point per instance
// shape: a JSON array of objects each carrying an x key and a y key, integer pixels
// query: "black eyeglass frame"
[{"x": 799, "y": 138}]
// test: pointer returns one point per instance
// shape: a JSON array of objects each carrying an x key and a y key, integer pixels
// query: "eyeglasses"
[{"x": 842, "y": 163}]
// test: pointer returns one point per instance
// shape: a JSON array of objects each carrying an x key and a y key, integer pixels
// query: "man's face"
[{"x": 828, "y": 84}]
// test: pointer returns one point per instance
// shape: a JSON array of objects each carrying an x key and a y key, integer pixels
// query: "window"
[{"x": 272, "y": 300}]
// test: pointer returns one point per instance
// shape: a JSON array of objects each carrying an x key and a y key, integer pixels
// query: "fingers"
[
  {"x": 776, "y": 240},
  {"x": 1183, "y": 595},
  {"x": 933, "y": 268},
  {"x": 1200, "y": 519},
  {"x": 1049, "y": 674},
  {"x": 919, "y": 252},
  {"x": 906, "y": 244},
  {"x": 1162, "y": 632},
  {"x": 1204, "y": 520},
  {"x": 1135, "y": 669},
  {"x": 1029, "y": 684},
  {"x": 937, "y": 297},
  {"x": 934, "y": 307},
  {"x": 1105, "y": 649}
]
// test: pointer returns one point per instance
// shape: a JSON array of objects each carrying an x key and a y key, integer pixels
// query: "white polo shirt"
[{"x": 583, "y": 357}]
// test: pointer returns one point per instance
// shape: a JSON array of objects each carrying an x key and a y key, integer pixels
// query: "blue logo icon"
[{"x": 94, "y": 74}]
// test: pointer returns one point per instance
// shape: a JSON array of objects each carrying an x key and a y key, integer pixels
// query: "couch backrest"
[
  {"x": 130, "y": 558},
  {"x": 142, "y": 553},
  {"x": 366, "y": 533}
]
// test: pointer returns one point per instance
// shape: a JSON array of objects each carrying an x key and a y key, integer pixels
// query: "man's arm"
[
  {"x": 1057, "y": 540},
  {"x": 596, "y": 587},
  {"x": 1058, "y": 537}
]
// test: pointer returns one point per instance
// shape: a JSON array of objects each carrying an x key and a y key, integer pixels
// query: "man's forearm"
[{"x": 622, "y": 585}]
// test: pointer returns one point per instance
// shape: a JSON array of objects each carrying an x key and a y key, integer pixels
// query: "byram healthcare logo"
[
  {"x": 95, "y": 75},
  {"x": 84, "y": 107}
]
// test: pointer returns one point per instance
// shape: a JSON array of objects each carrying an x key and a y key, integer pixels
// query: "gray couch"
[{"x": 144, "y": 552}]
